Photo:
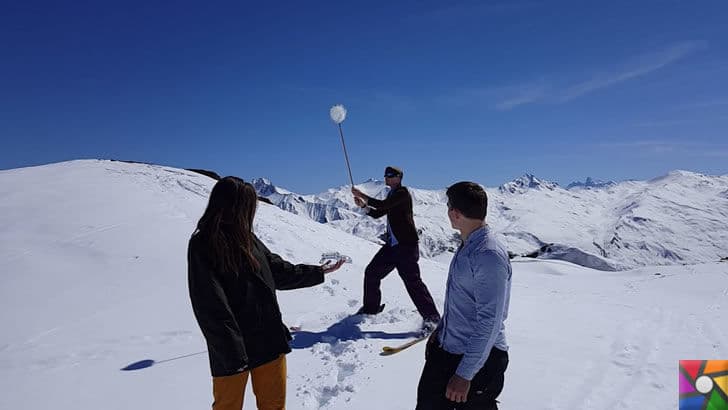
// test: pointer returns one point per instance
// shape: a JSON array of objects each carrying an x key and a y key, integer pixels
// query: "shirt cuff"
[{"x": 465, "y": 370}]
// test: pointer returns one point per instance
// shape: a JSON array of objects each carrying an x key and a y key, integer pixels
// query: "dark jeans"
[
  {"x": 404, "y": 258},
  {"x": 441, "y": 365}
]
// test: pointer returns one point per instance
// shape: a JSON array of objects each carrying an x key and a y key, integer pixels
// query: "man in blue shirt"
[{"x": 467, "y": 354}]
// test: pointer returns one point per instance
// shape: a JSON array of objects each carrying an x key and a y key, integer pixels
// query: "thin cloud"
[
  {"x": 658, "y": 147},
  {"x": 634, "y": 68},
  {"x": 395, "y": 102},
  {"x": 717, "y": 153},
  {"x": 638, "y": 143},
  {"x": 665, "y": 123},
  {"x": 705, "y": 104},
  {"x": 499, "y": 98},
  {"x": 638, "y": 67},
  {"x": 526, "y": 95},
  {"x": 677, "y": 122},
  {"x": 306, "y": 89},
  {"x": 652, "y": 146}
]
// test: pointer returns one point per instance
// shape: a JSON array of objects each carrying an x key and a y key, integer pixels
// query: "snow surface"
[{"x": 93, "y": 279}]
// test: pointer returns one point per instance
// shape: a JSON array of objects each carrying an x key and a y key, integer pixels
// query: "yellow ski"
[{"x": 390, "y": 350}]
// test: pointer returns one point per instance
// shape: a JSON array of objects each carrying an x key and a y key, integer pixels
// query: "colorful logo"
[{"x": 703, "y": 384}]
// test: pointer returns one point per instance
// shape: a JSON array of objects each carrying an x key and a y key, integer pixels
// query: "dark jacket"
[
  {"x": 238, "y": 312},
  {"x": 398, "y": 208}
]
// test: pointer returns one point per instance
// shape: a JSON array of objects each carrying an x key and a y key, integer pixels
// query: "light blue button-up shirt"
[{"x": 476, "y": 301}]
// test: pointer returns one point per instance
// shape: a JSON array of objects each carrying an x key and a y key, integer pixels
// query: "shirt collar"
[{"x": 477, "y": 235}]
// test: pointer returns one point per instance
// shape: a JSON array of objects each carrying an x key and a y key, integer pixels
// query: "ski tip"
[{"x": 390, "y": 350}]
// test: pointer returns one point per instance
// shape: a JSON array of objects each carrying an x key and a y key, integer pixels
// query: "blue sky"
[{"x": 482, "y": 91}]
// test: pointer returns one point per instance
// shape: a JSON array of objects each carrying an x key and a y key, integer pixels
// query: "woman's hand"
[{"x": 328, "y": 267}]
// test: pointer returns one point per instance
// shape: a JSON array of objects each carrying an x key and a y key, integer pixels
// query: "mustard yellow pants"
[{"x": 269, "y": 387}]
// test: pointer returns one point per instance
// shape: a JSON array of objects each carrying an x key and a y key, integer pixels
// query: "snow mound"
[{"x": 575, "y": 256}]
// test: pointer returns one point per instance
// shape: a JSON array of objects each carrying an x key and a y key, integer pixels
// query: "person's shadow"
[
  {"x": 143, "y": 364},
  {"x": 344, "y": 330}
]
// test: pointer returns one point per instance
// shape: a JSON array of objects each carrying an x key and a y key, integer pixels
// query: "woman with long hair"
[{"x": 233, "y": 279}]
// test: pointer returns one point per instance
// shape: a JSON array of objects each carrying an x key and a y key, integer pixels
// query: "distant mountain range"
[{"x": 674, "y": 219}]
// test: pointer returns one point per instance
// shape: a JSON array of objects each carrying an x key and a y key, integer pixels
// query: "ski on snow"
[{"x": 390, "y": 350}]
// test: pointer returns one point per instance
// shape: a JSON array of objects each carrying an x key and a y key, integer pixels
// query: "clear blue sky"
[{"x": 484, "y": 91}]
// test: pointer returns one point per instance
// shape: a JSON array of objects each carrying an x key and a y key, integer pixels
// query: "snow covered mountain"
[
  {"x": 675, "y": 219},
  {"x": 321, "y": 209},
  {"x": 93, "y": 279},
  {"x": 525, "y": 183},
  {"x": 589, "y": 183},
  {"x": 335, "y": 207}
]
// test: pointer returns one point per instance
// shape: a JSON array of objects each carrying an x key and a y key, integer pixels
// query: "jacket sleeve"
[
  {"x": 288, "y": 276},
  {"x": 215, "y": 318},
  {"x": 375, "y": 213},
  {"x": 380, "y": 207}
]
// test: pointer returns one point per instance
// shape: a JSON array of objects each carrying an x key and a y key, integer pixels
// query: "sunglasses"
[{"x": 391, "y": 175}]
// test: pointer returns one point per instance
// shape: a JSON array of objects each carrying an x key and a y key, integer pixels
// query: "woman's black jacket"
[{"x": 238, "y": 311}]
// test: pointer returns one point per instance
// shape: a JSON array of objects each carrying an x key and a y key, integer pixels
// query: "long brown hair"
[{"x": 227, "y": 225}]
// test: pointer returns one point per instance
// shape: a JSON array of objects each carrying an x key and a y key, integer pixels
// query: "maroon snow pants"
[{"x": 402, "y": 257}]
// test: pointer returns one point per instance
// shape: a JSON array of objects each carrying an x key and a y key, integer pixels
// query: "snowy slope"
[
  {"x": 93, "y": 278},
  {"x": 675, "y": 219}
]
